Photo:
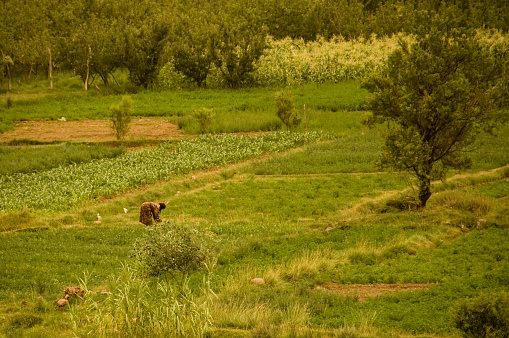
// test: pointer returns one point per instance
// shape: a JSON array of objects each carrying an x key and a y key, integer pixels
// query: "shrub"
[
  {"x": 204, "y": 117},
  {"x": 177, "y": 249},
  {"x": 285, "y": 103},
  {"x": 120, "y": 116},
  {"x": 484, "y": 316}
]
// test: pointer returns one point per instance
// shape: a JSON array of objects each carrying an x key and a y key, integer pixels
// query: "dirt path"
[
  {"x": 90, "y": 130},
  {"x": 365, "y": 291}
]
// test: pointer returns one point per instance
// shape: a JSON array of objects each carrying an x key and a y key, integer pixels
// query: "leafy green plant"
[
  {"x": 120, "y": 116},
  {"x": 486, "y": 315},
  {"x": 285, "y": 103},
  {"x": 204, "y": 117}
]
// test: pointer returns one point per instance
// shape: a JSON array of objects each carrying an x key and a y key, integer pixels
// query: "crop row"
[
  {"x": 62, "y": 187},
  {"x": 295, "y": 61}
]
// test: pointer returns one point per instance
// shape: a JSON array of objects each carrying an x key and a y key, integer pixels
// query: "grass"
[
  {"x": 243, "y": 110},
  {"x": 292, "y": 255},
  {"x": 321, "y": 213}
]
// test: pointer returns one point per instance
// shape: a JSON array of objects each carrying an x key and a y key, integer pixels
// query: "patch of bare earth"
[
  {"x": 90, "y": 130},
  {"x": 365, "y": 291}
]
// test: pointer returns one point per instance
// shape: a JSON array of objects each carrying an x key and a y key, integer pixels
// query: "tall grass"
[
  {"x": 134, "y": 307},
  {"x": 36, "y": 159}
]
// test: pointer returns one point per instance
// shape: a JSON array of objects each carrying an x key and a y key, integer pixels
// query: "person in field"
[{"x": 151, "y": 210}]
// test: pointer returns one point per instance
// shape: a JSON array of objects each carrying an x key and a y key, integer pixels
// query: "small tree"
[
  {"x": 437, "y": 95},
  {"x": 285, "y": 103},
  {"x": 120, "y": 116},
  {"x": 204, "y": 117}
]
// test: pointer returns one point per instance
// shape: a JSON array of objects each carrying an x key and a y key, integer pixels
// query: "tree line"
[{"x": 96, "y": 37}]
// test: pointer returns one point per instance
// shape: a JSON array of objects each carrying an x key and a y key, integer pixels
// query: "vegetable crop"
[{"x": 62, "y": 187}]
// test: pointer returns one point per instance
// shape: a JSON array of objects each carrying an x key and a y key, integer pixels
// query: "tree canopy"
[
  {"x": 95, "y": 37},
  {"x": 437, "y": 95}
]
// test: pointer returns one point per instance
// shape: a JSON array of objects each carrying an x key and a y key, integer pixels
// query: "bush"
[
  {"x": 285, "y": 103},
  {"x": 484, "y": 316},
  {"x": 120, "y": 116},
  {"x": 204, "y": 117},
  {"x": 179, "y": 249}
]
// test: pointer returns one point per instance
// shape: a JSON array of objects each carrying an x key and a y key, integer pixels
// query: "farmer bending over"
[{"x": 149, "y": 210}]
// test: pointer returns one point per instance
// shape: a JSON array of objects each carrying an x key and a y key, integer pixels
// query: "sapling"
[
  {"x": 120, "y": 116},
  {"x": 204, "y": 117},
  {"x": 285, "y": 103}
]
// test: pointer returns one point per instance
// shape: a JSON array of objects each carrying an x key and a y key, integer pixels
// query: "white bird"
[
  {"x": 99, "y": 217},
  {"x": 125, "y": 210}
]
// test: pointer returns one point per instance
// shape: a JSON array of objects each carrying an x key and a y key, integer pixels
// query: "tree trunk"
[
  {"x": 88, "y": 67},
  {"x": 50, "y": 70},
  {"x": 88, "y": 74},
  {"x": 424, "y": 190},
  {"x": 9, "y": 77}
]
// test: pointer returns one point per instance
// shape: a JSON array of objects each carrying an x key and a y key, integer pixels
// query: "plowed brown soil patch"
[
  {"x": 365, "y": 291},
  {"x": 90, "y": 130}
]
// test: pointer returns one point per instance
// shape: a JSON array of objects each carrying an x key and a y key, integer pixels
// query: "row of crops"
[
  {"x": 65, "y": 186},
  {"x": 295, "y": 61}
]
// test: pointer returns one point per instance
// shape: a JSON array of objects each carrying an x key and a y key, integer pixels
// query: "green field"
[{"x": 307, "y": 216}]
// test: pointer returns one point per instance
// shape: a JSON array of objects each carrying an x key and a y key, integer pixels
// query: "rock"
[
  {"x": 62, "y": 303},
  {"x": 257, "y": 281},
  {"x": 97, "y": 222}
]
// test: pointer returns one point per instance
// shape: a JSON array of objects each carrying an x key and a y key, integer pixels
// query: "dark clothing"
[{"x": 148, "y": 211}]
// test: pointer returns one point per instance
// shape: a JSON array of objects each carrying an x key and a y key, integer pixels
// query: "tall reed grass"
[{"x": 135, "y": 307}]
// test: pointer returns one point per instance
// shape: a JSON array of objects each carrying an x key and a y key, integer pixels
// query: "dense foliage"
[{"x": 96, "y": 37}]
